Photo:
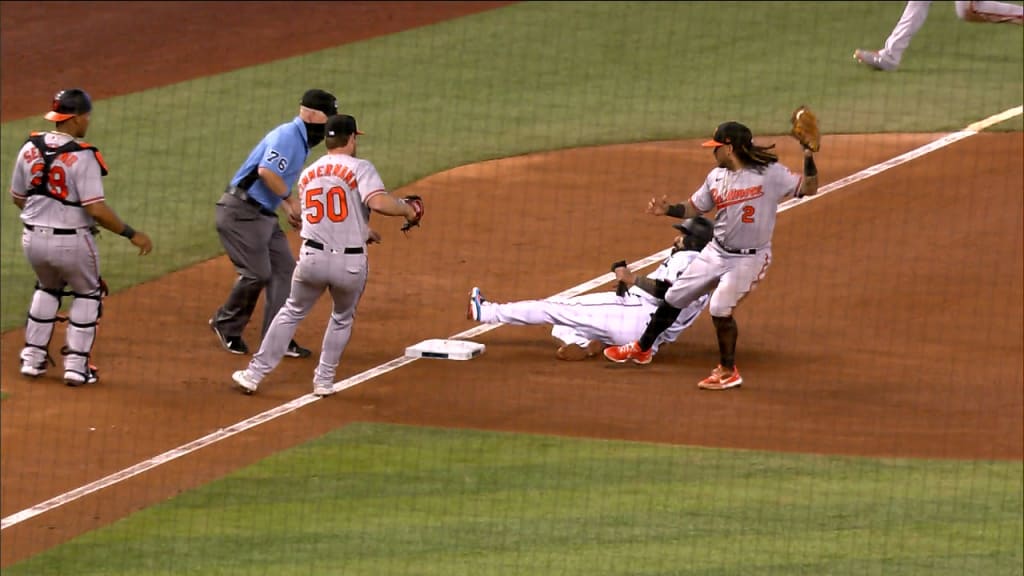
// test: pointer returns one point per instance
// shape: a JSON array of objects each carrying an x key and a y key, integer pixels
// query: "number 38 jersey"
[
  {"x": 54, "y": 197},
  {"x": 333, "y": 193},
  {"x": 747, "y": 202}
]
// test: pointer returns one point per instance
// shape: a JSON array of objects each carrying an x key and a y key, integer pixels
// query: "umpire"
[{"x": 248, "y": 226}]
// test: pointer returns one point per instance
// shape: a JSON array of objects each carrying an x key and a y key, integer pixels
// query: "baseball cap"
[
  {"x": 730, "y": 133},
  {"x": 68, "y": 104},
  {"x": 342, "y": 125},
  {"x": 320, "y": 100}
]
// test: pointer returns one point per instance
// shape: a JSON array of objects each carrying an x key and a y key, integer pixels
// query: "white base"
[{"x": 443, "y": 349}]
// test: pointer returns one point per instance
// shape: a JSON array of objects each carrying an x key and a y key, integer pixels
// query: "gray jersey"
[
  {"x": 747, "y": 203},
  {"x": 74, "y": 177},
  {"x": 333, "y": 193}
]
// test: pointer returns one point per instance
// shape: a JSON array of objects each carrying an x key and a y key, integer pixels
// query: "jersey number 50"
[
  {"x": 333, "y": 204},
  {"x": 57, "y": 180}
]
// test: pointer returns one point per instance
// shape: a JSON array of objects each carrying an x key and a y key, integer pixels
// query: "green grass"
[
  {"x": 375, "y": 499},
  {"x": 524, "y": 78}
]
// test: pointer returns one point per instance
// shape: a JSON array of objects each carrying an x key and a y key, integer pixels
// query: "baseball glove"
[
  {"x": 805, "y": 128},
  {"x": 417, "y": 206}
]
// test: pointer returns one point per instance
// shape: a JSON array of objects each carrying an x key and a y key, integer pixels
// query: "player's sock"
[
  {"x": 727, "y": 333},
  {"x": 662, "y": 318}
]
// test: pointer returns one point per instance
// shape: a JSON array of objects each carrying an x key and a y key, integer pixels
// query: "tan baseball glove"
[{"x": 805, "y": 128}]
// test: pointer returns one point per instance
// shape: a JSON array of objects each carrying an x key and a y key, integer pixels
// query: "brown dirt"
[{"x": 889, "y": 323}]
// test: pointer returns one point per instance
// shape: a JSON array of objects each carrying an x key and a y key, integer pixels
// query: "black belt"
[
  {"x": 318, "y": 246},
  {"x": 56, "y": 231},
  {"x": 244, "y": 197},
  {"x": 746, "y": 251}
]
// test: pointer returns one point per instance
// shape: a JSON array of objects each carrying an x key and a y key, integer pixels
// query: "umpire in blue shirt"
[{"x": 248, "y": 226}]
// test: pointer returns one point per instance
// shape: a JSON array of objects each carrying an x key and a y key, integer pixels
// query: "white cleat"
[
  {"x": 245, "y": 382},
  {"x": 33, "y": 370},
  {"x": 323, "y": 390}
]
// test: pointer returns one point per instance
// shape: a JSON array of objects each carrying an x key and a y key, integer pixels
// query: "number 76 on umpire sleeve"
[{"x": 274, "y": 157}]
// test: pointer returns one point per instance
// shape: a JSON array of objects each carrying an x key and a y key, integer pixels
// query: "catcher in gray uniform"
[
  {"x": 58, "y": 188},
  {"x": 745, "y": 190},
  {"x": 337, "y": 193}
]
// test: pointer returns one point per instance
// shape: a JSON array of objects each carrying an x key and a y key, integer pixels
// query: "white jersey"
[
  {"x": 333, "y": 193},
  {"x": 75, "y": 180},
  {"x": 747, "y": 202}
]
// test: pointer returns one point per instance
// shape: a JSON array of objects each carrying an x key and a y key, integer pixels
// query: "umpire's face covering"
[{"x": 314, "y": 133}]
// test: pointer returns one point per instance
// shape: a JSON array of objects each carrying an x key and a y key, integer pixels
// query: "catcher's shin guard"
[
  {"x": 83, "y": 323},
  {"x": 42, "y": 314}
]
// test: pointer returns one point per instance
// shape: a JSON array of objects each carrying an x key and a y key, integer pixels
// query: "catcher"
[
  {"x": 337, "y": 193},
  {"x": 745, "y": 190}
]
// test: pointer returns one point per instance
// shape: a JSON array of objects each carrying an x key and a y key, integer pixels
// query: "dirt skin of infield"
[{"x": 865, "y": 367}]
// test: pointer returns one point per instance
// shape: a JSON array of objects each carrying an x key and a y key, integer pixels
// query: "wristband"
[
  {"x": 809, "y": 168},
  {"x": 128, "y": 232},
  {"x": 676, "y": 211}
]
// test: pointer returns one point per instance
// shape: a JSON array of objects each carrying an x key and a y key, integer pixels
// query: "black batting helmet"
[
  {"x": 68, "y": 104},
  {"x": 697, "y": 232}
]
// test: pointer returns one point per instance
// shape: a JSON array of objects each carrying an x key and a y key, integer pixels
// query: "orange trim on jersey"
[
  {"x": 18, "y": 196},
  {"x": 93, "y": 201}
]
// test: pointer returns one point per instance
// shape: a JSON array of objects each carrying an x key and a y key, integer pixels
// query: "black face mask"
[{"x": 314, "y": 133}]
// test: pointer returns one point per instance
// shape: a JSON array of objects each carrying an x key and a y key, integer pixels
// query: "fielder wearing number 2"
[
  {"x": 336, "y": 194},
  {"x": 57, "y": 186},
  {"x": 745, "y": 189}
]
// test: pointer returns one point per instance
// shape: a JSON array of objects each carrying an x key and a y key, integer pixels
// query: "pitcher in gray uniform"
[
  {"x": 745, "y": 189},
  {"x": 58, "y": 188},
  {"x": 336, "y": 195}
]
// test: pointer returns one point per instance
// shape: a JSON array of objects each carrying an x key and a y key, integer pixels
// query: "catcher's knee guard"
[
  {"x": 83, "y": 321},
  {"x": 42, "y": 314}
]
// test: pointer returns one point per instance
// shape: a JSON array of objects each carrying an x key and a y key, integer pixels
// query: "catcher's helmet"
[
  {"x": 68, "y": 104},
  {"x": 697, "y": 232}
]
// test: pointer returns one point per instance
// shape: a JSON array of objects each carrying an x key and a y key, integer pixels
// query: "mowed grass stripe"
[
  {"x": 519, "y": 79},
  {"x": 376, "y": 499}
]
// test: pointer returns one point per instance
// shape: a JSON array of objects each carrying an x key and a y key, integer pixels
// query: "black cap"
[
  {"x": 342, "y": 125},
  {"x": 320, "y": 100},
  {"x": 730, "y": 133},
  {"x": 698, "y": 226},
  {"x": 68, "y": 104}
]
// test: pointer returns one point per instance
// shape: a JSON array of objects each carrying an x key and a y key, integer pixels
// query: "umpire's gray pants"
[{"x": 260, "y": 252}]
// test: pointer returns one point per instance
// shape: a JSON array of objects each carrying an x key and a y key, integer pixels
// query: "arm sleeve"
[
  {"x": 282, "y": 151},
  {"x": 88, "y": 179},
  {"x": 370, "y": 182},
  {"x": 702, "y": 198},
  {"x": 786, "y": 182},
  {"x": 19, "y": 177}
]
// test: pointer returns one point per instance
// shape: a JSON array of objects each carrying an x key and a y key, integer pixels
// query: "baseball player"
[
  {"x": 583, "y": 325},
  {"x": 336, "y": 193},
  {"x": 914, "y": 15},
  {"x": 57, "y": 185},
  {"x": 745, "y": 190},
  {"x": 248, "y": 227}
]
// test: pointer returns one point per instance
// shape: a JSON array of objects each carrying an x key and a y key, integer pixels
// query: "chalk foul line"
[{"x": 292, "y": 406}]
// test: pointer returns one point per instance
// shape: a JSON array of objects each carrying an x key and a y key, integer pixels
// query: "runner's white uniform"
[
  {"x": 602, "y": 316},
  {"x": 333, "y": 193}
]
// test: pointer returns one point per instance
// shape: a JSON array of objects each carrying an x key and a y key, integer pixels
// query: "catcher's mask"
[
  {"x": 68, "y": 104},
  {"x": 697, "y": 232},
  {"x": 730, "y": 133}
]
